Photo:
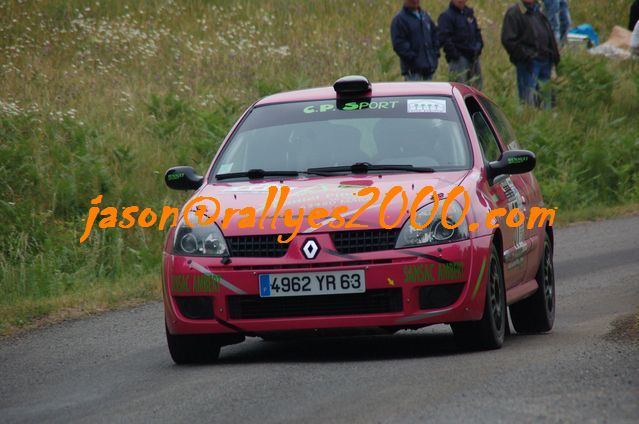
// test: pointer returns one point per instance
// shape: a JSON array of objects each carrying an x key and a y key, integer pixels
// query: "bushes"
[
  {"x": 192, "y": 135},
  {"x": 53, "y": 165},
  {"x": 586, "y": 80},
  {"x": 587, "y": 147}
]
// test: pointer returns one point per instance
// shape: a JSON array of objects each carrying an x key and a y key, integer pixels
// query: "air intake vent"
[{"x": 371, "y": 302}]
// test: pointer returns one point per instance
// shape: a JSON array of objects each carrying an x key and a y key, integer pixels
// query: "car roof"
[{"x": 383, "y": 89}]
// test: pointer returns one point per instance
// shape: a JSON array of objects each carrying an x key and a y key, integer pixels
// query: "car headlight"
[
  {"x": 199, "y": 240},
  {"x": 435, "y": 232}
]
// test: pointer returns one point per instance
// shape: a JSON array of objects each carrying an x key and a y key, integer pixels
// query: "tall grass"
[{"x": 103, "y": 96}]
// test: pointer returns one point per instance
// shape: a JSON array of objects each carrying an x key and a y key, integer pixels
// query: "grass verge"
[{"x": 27, "y": 314}]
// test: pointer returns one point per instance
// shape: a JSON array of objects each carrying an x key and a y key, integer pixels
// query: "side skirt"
[{"x": 521, "y": 291}]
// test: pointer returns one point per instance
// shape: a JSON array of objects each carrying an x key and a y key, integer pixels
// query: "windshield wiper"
[
  {"x": 357, "y": 168},
  {"x": 256, "y": 174},
  {"x": 365, "y": 167}
]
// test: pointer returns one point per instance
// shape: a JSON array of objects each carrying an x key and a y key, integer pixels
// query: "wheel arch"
[
  {"x": 499, "y": 243},
  {"x": 551, "y": 235}
]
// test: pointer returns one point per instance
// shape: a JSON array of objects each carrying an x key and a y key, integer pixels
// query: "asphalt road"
[{"x": 116, "y": 368}]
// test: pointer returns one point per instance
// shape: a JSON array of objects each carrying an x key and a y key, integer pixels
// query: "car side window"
[
  {"x": 487, "y": 141},
  {"x": 504, "y": 128}
]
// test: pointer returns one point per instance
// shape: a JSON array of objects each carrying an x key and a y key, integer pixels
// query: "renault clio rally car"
[{"x": 223, "y": 282}]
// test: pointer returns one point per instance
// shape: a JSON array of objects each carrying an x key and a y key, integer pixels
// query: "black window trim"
[{"x": 490, "y": 123}]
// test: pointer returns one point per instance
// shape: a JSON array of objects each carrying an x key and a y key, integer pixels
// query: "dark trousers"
[
  {"x": 533, "y": 83},
  {"x": 466, "y": 71},
  {"x": 418, "y": 76}
]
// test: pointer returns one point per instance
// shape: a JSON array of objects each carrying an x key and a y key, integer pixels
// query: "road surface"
[{"x": 116, "y": 367}]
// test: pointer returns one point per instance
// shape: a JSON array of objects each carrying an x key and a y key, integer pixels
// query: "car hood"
[{"x": 307, "y": 194}]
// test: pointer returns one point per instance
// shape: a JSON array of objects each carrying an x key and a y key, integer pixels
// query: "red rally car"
[{"x": 224, "y": 281}]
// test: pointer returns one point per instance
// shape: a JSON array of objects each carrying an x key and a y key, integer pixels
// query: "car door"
[
  {"x": 502, "y": 194},
  {"x": 525, "y": 184}
]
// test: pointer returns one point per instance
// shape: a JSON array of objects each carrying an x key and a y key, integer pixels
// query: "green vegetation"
[{"x": 101, "y": 97}]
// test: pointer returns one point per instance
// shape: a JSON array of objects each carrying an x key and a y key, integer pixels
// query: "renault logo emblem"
[{"x": 310, "y": 249}]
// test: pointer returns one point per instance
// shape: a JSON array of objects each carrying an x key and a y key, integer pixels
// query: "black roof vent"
[{"x": 352, "y": 84}]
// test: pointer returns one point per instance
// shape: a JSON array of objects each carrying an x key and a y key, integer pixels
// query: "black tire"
[
  {"x": 536, "y": 314},
  {"x": 489, "y": 332},
  {"x": 193, "y": 348}
]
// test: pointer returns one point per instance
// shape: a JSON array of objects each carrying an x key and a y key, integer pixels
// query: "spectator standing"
[
  {"x": 460, "y": 36},
  {"x": 415, "y": 40},
  {"x": 634, "y": 40},
  {"x": 529, "y": 40},
  {"x": 565, "y": 21},
  {"x": 634, "y": 15},
  {"x": 558, "y": 14},
  {"x": 551, "y": 10}
]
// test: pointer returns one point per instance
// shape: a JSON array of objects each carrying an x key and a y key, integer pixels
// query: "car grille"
[
  {"x": 365, "y": 240},
  {"x": 370, "y": 302},
  {"x": 267, "y": 246},
  {"x": 257, "y": 246}
]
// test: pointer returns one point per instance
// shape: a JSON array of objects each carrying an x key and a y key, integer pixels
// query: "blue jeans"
[
  {"x": 558, "y": 15},
  {"x": 418, "y": 76},
  {"x": 565, "y": 22},
  {"x": 551, "y": 10},
  {"x": 533, "y": 83}
]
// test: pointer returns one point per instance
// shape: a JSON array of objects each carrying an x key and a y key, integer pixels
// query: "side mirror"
[
  {"x": 183, "y": 178},
  {"x": 511, "y": 162}
]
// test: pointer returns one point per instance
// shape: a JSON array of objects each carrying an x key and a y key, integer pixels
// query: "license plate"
[{"x": 312, "y": 283}]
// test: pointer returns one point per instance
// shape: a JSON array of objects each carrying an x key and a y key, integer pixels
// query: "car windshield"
[{"x": 289, "y": 138}]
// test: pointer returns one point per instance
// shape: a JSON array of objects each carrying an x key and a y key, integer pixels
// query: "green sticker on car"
[
  {"x": 517, "y": 159},
  {"x": 355, "y": 105}
]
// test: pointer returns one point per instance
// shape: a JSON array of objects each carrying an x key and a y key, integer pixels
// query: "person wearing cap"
[
  {"x": 531, "y": 45},
  {"x": 460, "y": 36},
  {"x": 416, "y": 42}
]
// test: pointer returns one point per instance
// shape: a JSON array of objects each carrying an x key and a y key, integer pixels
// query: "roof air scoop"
[{"x": 352, "y": 84}]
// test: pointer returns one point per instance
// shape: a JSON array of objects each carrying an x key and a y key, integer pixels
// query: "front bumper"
[{"x": 405, "y": 273}]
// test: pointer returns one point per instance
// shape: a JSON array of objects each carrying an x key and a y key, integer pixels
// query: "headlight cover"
[
  {"x": 199, "y": 240},
  {"x": 435, "y": 232}
]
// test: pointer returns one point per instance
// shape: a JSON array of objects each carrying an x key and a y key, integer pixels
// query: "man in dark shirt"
[
  {"x": 415, "y": 40},
  {"x": 460, "y": 36},
  {"x": 532, "y": 48}
]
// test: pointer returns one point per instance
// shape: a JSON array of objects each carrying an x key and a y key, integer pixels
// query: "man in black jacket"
[
  {"x": 415, "y": 40},
  {"x": 460, "y": 36},
  {"x": 531, "y": 45}
]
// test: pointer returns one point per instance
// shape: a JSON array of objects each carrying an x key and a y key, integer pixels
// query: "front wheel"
[
  {"x": 489, "y": 332},
  {"x": 536, "y": 314}
]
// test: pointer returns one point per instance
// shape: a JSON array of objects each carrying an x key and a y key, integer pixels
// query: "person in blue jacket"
[
  {"x": 460, "y": 36},
  {"x": 416, "y": 42}
]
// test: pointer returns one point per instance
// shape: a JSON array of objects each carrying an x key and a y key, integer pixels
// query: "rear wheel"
[
  {"x": 536, "y": 314},
  {"x": 489, "y": 332},
  {"x": 193, "y": 348}
]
